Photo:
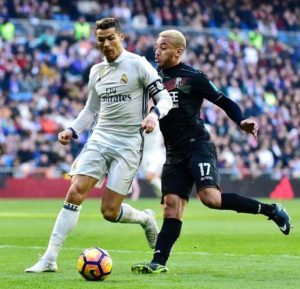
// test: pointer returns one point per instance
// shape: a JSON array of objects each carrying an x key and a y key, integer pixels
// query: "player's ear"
[
  {"x": 122, "y": 36},
  {"x": 179, "y": 52}
]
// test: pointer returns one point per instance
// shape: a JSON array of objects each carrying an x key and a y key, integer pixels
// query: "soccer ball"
[{"x": 94, "y": 264}]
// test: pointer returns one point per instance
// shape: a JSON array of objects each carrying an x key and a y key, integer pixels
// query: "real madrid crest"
[{"x": 124, "y": 78}]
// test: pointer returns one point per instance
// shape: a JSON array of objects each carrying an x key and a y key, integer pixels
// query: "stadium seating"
[{"x": 252, "y": 56}]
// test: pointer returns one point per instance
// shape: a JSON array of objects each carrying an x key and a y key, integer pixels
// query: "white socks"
[
  {"x": 131, "y": 215},
  {"x": 65, "y": 222},
  {"x": 68, "y": 218}
]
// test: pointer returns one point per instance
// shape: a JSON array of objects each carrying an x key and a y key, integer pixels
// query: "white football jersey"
[{"x": 117, "y": 91}]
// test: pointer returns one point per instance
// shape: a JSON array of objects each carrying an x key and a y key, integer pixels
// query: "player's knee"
[
  {"x": 210, "y": 197},
  {"x": 170, "y": 204},
  {"x": 169, "y": 212},
  {"x": 76, "y": 194},
  {"x": 173, "y": 207}
]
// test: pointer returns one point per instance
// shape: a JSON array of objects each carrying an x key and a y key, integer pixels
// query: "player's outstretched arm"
[{"x": 250, "y": 126}]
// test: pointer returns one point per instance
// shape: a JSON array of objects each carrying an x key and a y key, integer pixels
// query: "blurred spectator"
[
  {"x": 256, "y": 39},
  {"x": 268, "y": 17},
  {"x": 265, "y": 158},
  {"x": 7, "y": 29},
  {"x": 234, "y": 91},
  {"x": 139, "y": 20},
  {"x": 45, "y": 41},
  {"x": 82, "y": 29},
  {"x": 122, "y": 11},
  {"x": 251, "y": 55}
]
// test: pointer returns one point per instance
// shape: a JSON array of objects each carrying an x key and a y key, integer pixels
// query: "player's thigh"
[
  {"x": 176, "y": 180},
  {"x": 91, "y": 162},
  {"x": 122, "y": 169},
  {"x": 83, "y": 183},
  {"x": 204, "y": 166}
]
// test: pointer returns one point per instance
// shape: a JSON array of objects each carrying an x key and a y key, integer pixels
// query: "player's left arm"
[
  {"x": 157, "y": 91},
  {"x": 250, "y": 126},
  {"x": 163, "y": 103},
  {"x": 161, "y": 98},
  {"x": 235, "y": 113},
  {"x": 232, "y": 109}
]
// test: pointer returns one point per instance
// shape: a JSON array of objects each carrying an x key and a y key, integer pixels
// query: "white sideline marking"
[{"x": 143, "y": 252}]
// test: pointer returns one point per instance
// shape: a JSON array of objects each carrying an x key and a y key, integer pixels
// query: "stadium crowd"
[
  {"x": 244, "y": 14},
  {"x": 43, "y": 77}
]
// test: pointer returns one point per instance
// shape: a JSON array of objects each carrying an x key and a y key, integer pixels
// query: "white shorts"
[{"x": 119, "y": 164}]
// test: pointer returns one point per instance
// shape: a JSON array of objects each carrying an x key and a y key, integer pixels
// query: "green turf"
[{"x": 217, "y": 249}]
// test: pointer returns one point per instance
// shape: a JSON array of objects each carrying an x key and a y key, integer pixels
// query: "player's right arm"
[{"x": 87, "y": 115}]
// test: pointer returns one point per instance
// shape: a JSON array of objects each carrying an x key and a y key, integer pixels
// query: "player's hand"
[
  {"x": 65, "y": 136},
  {"x": 150, "y": 122},
  {"x": 250, "y": 126}
]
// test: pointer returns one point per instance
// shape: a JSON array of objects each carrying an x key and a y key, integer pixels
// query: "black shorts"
[{"x": 199, "y": 168}]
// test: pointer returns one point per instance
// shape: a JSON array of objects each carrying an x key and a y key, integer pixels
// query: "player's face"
[
  {"x": 166, "y": 54},
  {"x": 110, "y": 43}
]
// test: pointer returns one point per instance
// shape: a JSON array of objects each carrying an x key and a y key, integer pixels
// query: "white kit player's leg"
[
  {"x": 145, "y": 218},
  {"x": 65, "y": 222},
  {"x": 121, "y": 173}
]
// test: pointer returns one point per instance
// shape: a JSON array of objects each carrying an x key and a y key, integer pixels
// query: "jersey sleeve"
[
  {"x": 153, "y": 83},
  {"x": 92, "y": 107},
  {"x": 147, "y": 73},
  {"x": 207, "y": 89}
]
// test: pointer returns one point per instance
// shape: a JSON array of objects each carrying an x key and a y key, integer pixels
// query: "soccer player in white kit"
[{"x": 119, "y": 89}]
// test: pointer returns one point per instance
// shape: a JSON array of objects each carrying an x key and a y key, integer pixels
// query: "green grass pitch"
[{"x": 217, "y": 249}]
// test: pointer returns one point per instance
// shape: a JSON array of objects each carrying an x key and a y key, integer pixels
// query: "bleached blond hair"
[{"x": 177, "y": 37}]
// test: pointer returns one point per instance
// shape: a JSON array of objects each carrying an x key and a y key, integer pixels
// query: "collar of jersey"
[
  {"x": 172, "y": 67},
  {"x": 118, "y": 60}
]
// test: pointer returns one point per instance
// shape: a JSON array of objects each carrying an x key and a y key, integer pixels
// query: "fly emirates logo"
[{"x": 111, "y": 95}]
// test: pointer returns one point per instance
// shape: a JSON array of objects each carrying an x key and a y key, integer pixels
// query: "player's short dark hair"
[{"x": 107, "y": 23}]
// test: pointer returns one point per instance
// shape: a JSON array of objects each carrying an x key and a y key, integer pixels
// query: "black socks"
[
  {"x": 168, "y": 235},
  {"x": 171, "y": 228},
  {"x": 245, "y": 205}
]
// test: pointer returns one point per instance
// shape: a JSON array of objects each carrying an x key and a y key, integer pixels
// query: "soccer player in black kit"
[{"x": 191, "y": 155}]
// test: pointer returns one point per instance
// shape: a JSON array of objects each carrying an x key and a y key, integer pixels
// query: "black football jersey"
[{"x": 183, "y": 126}]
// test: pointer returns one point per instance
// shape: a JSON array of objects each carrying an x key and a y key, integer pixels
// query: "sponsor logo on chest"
[{"x": 113, "y": 88}]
